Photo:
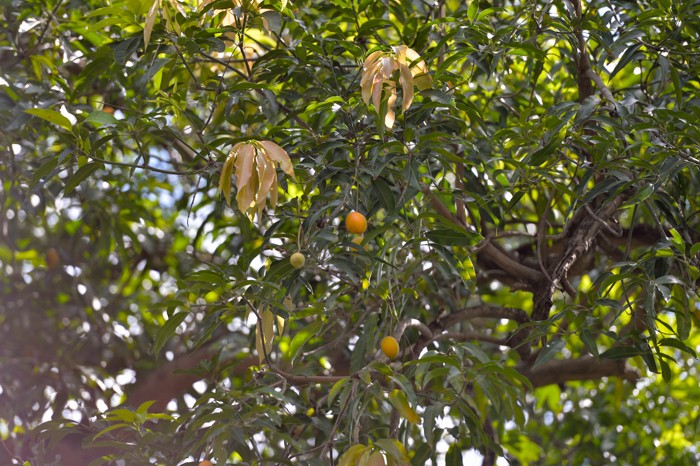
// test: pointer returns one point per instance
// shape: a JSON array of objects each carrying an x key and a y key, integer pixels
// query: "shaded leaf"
[{"x": 550, "y": 350}]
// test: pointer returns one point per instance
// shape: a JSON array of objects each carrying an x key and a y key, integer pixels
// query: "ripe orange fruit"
[
  {"x": 356, "y": 223},
  {"x": 390, "y": 347},
  {"x": 206, "y": 463},
  {"x": 297, "y": 259}
]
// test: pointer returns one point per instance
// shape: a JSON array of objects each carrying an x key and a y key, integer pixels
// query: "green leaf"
[
  {"x": 168, "y": 330},
  {"x": 453, "y": 237},
  {"x": 675, "y": 343},
  {"x": 586, "y": 108},
  {"x": 630, "y": 54},
  {"x": 621, "y": 352},
  {"x": 640, "y": 196},
  {"x": 100, "y": 118},
  {"x": 472, "y": 10},
  {"x": 454, "y": 455},
  {"x": 51, "y": 116},
  {"x": 111, "y": 428},
  {"x": 589, "y": 340},
  {"x": 336, "y": 389},
  {"x": 302, "y": 337},
  {"x": 80, "y": 175},
  {"x": 550, "y": 350},
  {"x": 540, "y": 156},
  {"x": 43, "y": 171},
  {"x": 665, "y": 371}
]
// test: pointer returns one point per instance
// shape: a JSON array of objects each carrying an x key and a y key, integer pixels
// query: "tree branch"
[
  {"x": 585, "y": 368},
  {"x": 579, "y": 243},
  {"x": 499, "y": 257},
  {"x": 589, "y": 73},
  {"x": 306, "y": 379},
  {"x": 482, "y": 311}
]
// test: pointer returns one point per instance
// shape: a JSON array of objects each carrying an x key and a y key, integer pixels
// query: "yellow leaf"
[
  {"x": 265, "y": 170},
  {"x": 377, "y": 87},
  {"x": 352, "y": 455},
  {"x": 371, "y": 73},
  {"x": 372, "y": 59},
  {"x": 406, "y": 81},
  {"x": 378, "y": 76},
  {"x": 400, "y": 402},
  {"x": 204, "y": 3},
  {"x": 366, "y": 86},
  {"x": 245, "y": 158},
  {"x": 411, "y": 56},
  {"x": 264, "y": 334},
  {"x": 422, "y": 81},
  {"x": 245, "y": 175},
  {"x": 280, "y": 156},
  {"x": 225, "y": 179},
  {"x": 245, "y": 197},
  {"x": 280, "y": 325},
  {"x": 150, "y": 22},
  {"x": 390, "y": 116},
  {"x": 256, "y": 163}
]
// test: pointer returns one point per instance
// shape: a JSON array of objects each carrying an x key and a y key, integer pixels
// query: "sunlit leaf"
[
  {"x": 150, "y": 22},
  {"x": 52, "y": 116},
  {"x": 400, "y": 402}
]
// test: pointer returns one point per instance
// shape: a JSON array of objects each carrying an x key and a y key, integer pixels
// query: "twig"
[
  {"x": 584, "y": 368},
  {"x": 404, "y": 324},
  {"x": 306, "y": 379},
  {"x": 145, "y": 167},
  {"x": 608, "y": 228},
  {"x": 589, "y": 73}
]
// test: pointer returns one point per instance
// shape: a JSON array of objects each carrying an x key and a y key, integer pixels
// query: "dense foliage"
[{"x": 529, "y": 176}]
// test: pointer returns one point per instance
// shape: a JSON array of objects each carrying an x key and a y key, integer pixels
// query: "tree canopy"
[{"x": 528, "y": 173}]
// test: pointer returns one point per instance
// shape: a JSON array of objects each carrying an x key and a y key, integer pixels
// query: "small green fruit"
[{"x": 297, "y": 260}]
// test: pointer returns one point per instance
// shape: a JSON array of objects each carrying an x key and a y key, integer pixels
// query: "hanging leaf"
[
  {"x": 352, "y": 455},
  {"x": 550, "y": 350},
  {"x": 264, "y": 334},
  {"x": 150, "y": 22},
  {"x": 377, "y": 82},
  {"x": 400, "y": 402},
  {"x": 256, "y": 177},
  {"x": 225, "y": 179}
]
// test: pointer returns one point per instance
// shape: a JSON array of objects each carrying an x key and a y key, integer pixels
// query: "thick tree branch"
[
  {"x": 442, "y": 323},
  {"x": 579, "y": 243},
  {"x": 168, "y": 382},
  {"x": 483, "y": 311},
  {"x": 585, "y": 368}
]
